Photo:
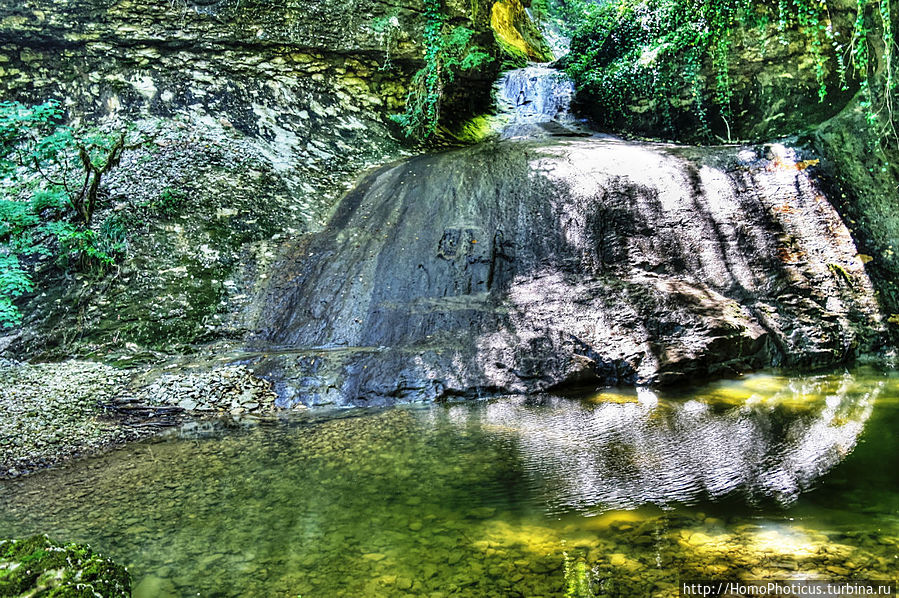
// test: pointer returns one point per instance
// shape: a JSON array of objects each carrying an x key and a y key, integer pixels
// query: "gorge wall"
[
  {"x": 262, "y": 115},
  {"x": 553, "y": 259}
]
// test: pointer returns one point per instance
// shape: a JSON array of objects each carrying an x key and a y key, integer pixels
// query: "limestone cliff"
[{"x": 263, "y": 114}]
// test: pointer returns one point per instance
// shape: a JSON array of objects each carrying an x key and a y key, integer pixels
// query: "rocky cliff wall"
[{"x": 263, "y": 114}]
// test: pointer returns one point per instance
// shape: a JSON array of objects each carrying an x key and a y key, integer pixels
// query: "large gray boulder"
[{"x": 523, "y": 266}]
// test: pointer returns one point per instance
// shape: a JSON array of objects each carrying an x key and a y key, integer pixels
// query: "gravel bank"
[
  {"x": 53, "y": 411},
  {"x": 49, "y": 412}
]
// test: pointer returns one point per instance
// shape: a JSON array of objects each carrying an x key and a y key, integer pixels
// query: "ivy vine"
[
  {"x": 629, "y": 49},
  {"x": 448, "y": 52}
]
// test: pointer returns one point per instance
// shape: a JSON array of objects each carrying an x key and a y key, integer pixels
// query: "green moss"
[
  {"x": 474, "y": 130},
  {"x": 514, "y": 57},
  {"x": 449, "y": 52},
  {"x": 38, "y": 567},
  {"x": 516, "y": 33},
  {"x": 841, "y": 273}
]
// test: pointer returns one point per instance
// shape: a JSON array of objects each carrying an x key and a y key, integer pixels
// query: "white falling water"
[{"x": 534, "y": 99}]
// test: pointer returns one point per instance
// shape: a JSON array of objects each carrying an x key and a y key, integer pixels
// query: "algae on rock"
[{"x": 37, "y": 566}]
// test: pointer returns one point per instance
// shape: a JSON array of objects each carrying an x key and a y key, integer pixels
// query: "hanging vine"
[
  {"x": 629, "y": 49},
  {"x": 877, "y": 88},
  {"x": 448, "y": 51}
]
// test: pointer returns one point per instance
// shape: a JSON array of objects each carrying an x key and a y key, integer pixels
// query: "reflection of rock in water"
[{"x": 621, "y": 456}]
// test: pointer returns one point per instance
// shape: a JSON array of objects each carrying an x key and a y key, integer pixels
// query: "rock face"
[
  {"x": 519, "y": 266},
  {"x": 264, "y": 114},
  {"x": 865, "y": 170},
  {"x": 514, "y": 266}
]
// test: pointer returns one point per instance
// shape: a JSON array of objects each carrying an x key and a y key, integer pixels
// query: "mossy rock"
[
  {"x": 38, "y": 567},
  {"x": 516, "y": 34}
]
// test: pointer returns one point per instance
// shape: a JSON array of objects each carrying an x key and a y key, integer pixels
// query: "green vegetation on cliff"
[
  {"x": 678, "y": 57},
  {"x": 50, "y": 177},
  {"x": 448, "y": 52}
]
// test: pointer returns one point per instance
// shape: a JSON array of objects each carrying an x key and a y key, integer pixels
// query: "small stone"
[
  {"x": 481, "y": 512},
  {"x": 836, "y": 570},
  {"x": 617, "y": 560},
  {"x": 374, "y": 556}
]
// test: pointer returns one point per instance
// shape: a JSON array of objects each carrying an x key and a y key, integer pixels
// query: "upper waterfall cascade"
[{"x": 535, "y": 99}]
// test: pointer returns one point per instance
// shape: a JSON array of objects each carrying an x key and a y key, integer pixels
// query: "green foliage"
[
  {"x": 84, "y": 248},
  {"x": 624, "y": 49},
  {"x": 627, "y": 49},
  {"x": 448, "y": 52},
  {"x": 50, "y": 176},
  {"x": 14, "y": 282},
  {"x": 878, "y": 89},
  {"x": 540, "y": 10},
  {"x": 168, "y": 203}
]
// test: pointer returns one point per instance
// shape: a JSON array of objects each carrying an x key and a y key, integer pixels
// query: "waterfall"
[
  {"x": 516, "y": 266},
  {"x": 535, "y": 101},
  {"x": 539, "y": 261}
]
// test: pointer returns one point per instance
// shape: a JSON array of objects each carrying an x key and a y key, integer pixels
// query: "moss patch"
[
  {"x": 516, "y": 33},
  {"x": 39, "y": 567}
]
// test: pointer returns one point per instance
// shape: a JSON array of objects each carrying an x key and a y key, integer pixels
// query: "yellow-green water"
[{"x": 765, "y": 477}]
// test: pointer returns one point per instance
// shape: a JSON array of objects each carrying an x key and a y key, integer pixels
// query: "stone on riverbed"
[{"x": 39, "y": 566}]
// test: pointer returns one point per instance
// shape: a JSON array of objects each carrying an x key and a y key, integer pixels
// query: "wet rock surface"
[
  {"x": 520, "y": 266},
  {"x": 536, "y": 102}
]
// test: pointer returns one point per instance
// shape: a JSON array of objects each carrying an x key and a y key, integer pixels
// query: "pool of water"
[{"x": 625, "y": 493}]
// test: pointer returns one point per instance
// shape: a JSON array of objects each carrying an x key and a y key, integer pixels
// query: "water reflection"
[
  {"x": 621, "y": 451},
  {"x": 484, "y": 499}
]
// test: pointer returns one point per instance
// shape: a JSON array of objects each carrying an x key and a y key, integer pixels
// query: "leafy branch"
[
  {"x": 448, "y": 52},
  {"x": 50, "y": 189}
]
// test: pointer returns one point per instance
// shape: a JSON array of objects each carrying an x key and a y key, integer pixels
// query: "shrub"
[
  {"x": 448, "y": 52},
  {"x": 626, "y": 49},
  {"x": 50, "y": 178}
]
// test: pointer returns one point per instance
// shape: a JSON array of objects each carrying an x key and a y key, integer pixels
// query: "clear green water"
[{"x": 768, "y": 476}]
